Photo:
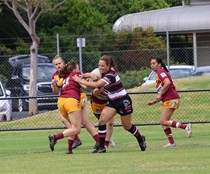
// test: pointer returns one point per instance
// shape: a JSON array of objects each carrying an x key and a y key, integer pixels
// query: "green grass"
[
  {"x": 27, "y": 152},
  {"x": 194, "y": 107}
]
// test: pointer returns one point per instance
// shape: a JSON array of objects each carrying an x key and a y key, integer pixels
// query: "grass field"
[
  {"x": 194, "y": 107},
  {"x": 27, "y": 152}
]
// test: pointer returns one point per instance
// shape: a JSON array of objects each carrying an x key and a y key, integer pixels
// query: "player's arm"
[
  {"x": 97, "y": 91},
  {"x": 98, "y": 84},
  {"x": 166, "y": 86},
  {"x": 90, "y": 76},
  {"x": 55, "y": 88},
  {"x": 152, "y": 102}
]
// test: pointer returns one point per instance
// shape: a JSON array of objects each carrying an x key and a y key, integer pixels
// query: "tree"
[
  {"x": 28, "y": 12},
  {"x": 114, "y": 9}
]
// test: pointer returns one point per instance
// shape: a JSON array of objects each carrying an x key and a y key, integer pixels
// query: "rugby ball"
[{"x": 97, "y": 72}]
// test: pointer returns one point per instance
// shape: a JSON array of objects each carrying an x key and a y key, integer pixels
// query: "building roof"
[{"x": 186, "y": 18}]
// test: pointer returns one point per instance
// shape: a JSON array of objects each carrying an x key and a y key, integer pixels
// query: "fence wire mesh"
[
  {"x": 132, "y": 65},
  {"x": 194, "y": 108}
]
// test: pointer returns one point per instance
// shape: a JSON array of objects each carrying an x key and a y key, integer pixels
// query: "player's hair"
[
  {"x": 57, "y": 57},
  {"x": 68, "y": 68},
  {"x": 159, "y": 61},
  {"x": 109, "y": 60}
]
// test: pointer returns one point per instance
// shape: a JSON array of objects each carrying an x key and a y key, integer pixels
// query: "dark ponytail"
[
  {"x": 159, "y": 61},
  {"x": 69, "y": 67}
]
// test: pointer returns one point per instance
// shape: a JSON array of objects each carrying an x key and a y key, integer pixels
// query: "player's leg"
[
  {"x": 127, "y": 125},
  {"x": 107, "y": 114},
  {"x": 75, "y": 120},
  {"x": 166, "y": 114},
  {"x": 109, "y": 127},
  {"x": 88, "y": 125}
]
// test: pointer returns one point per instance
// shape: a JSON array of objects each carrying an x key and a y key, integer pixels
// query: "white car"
[
  {"x": 5, "y": 105},
  {"x": 176, "y": 72},
  {"x": 201, "y": 71}
]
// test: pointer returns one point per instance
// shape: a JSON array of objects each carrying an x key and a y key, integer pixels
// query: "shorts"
[
  {"x": 173, "y": 104},
  {"x": 83, "y": 99},
  {"x": 123, "y": 105},
  {"x": 97, "y": 108},
  {"x": 68, "y": 105}
]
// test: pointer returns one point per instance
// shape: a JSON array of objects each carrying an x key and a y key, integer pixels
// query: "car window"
[
  {"x": 43, "y": 72},
  {"x": 152, "y": 76}
]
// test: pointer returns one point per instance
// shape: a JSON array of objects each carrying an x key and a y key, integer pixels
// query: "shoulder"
[
  {"x": 162, "y": 73},
  {"x": 111, "y": 73}
]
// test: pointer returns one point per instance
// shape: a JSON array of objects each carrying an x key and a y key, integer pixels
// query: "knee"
[
  {"x": 163, "y": 122},
  {"x": 101, "y": 122},
  {"x": 110, "y": 124},
  {"x": 77, "y": 130}
]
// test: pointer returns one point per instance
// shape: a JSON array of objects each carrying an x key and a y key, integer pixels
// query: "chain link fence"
[
  {"x": 194, "y": 108},
  {"x": 135, "y": 63}
]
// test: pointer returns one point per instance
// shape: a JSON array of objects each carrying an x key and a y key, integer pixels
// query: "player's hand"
[
  {"x": 54, "y": 82},
  {"x": 77, "y": 78},
  {"x": 150, "y": 103}
]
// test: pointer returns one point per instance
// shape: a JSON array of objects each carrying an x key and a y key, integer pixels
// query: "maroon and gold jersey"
[
  {"x": 59, "y": 81},
  {"x": 70, "y": 88},
  {"x": 171, "y": 93},
  {"x": 101, "y": 98}
]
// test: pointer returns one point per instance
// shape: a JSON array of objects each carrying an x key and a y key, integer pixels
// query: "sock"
[
  {"x": 59, "y": 136},
  {"x": 133, "y": 130},
  {"x": 101, "y": 134},
  {"x": 169, "y": 135},
  {"x": 76, "y": 138},
  {"x": 70, "y": 143},
  {"x": 96, "y": 138},
  {"x": 107, "y": 143},
  {"x": 178, "y": 125}
]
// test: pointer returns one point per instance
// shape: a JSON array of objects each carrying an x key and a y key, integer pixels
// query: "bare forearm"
[
  {"x": 165, "y": 88},
  {"x": 89, "y": 84}
]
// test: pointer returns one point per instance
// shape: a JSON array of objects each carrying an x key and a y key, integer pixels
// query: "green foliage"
[
  {"x": 23, "y": 46},
  {"x": 145, "y": 39},
  {"x": 3, "y": 79},
  {"x": 83, "y": 18},
  {"x": 173, "y": 3},
  {"x": 4, "y": 50},
  {"x": 93, "y": 20},
  {"x": 115, "y": 9},
  {"x": 137, "y": 39},
  {"x": 131, "y": 79}
]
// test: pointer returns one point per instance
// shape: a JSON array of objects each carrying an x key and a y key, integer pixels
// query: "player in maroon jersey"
[
  {"x": 57, "y": 83},
  {"x": 168, "y": 94}
]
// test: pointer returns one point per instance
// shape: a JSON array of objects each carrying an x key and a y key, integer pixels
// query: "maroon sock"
[
  {"x": 59, "y": 136},
  {"x": 182, "y": 126},
  {"x": 106, "y": 143},
  {"x": 173, "y": 124},
  {"x": 70, "y": 143},
  {"x": 178, "y": 125},
  {"x": 96, "y": 138},
  {"x": 76, "y": 138},
  {"x": 169, "y": 135}
]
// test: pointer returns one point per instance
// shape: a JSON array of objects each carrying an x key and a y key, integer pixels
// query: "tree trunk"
[{"x": 33, "y": 108}]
